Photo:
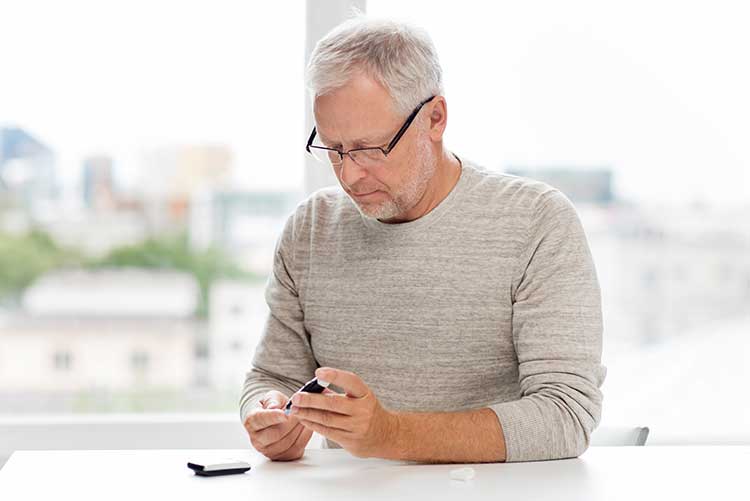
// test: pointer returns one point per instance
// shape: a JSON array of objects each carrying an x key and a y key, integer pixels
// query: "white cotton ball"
[{"x": 462, "y": 474}]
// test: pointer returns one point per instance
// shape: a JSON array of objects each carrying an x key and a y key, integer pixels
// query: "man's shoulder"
[
  {"x": 508, "y": 191},
  {"x": 329, "y": 205}
]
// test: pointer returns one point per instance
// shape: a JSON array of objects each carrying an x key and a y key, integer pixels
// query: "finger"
[
  {"x": 348, "y": 381},
  {"x": 328, "y": 419},
  {"x": 260, "y": 419},
  {"x": 297, "y": 450},
  {"x": 331, "y": 433},
  {"x": 333, "y": 402},
  {"x": 273, "y": 400},
  {"x": 274, "y": 404},
  {"x": 305, "y": 437},
  {"x": 285, "y": 443},
  {"x": 273, "y": 434}
]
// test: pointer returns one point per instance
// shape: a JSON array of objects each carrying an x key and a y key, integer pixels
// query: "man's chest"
[{"x": 413, "y": 311}]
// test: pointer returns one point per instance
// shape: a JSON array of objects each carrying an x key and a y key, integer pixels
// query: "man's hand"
[
  {"x": 355, "y": 420},
  {"x": 272, "y": 433}
]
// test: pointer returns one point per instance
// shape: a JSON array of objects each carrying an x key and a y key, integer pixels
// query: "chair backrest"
[{"x": 613, "y": 436}]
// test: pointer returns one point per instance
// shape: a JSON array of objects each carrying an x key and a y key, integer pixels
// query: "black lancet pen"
[{"x": 315, "y": 385}]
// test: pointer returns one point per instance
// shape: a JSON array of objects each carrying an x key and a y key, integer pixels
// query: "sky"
[{"x": 654, "y": 90}]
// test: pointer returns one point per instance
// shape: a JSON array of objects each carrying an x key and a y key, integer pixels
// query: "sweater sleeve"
[
  {"x": 283, "y": 359},
  {"x": 557, "y": 334}
]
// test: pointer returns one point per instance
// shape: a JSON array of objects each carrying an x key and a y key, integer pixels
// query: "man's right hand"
[{"x": 275, "y": 435}]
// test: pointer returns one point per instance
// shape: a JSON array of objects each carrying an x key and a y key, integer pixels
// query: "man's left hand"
[{"x": 355, "y": 420}]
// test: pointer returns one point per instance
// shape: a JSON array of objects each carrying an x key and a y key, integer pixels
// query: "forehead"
[{"x": 360, "y": 110}]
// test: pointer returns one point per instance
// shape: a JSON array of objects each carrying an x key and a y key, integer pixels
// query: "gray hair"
[{"x": 401, "y": 57}]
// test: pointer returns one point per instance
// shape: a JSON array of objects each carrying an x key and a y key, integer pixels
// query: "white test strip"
[{"x": 462, "y": 474}]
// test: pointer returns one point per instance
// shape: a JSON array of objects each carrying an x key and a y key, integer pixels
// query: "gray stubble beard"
[{"x": 412, "y": 192}]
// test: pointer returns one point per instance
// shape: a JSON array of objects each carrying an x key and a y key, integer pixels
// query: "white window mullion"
[{"x": 321, "y": 17}]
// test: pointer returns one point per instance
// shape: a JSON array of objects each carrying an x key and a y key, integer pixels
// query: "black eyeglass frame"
[{"x": 385, "y": 150}]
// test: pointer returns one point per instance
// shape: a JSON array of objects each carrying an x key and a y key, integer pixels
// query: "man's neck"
[{"x": 446, "y": 177}]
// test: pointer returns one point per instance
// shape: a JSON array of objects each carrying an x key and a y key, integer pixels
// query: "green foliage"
[
  {"x": 174, "y": 253},
  {"x": 23, "y": 258}
]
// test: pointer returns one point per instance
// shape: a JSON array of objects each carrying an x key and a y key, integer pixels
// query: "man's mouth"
[{"x": 365, "y": 196}]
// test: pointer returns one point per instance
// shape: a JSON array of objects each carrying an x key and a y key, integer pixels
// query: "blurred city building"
[
  {"x": 238, "y": 315},
  {"x": 27, "y": 172},
  {"x": 110, "y": 329},
  {"x": 665, "y": 271},
  {"x": 99, "y": 191},
  {"x": 171, "y": 176},
  {"x": 245, "y": 224}
]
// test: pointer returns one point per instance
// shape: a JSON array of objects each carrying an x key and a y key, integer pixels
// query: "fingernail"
[
  {"x": 287, "y": 411},
  {"x": 323, "y": 382}
]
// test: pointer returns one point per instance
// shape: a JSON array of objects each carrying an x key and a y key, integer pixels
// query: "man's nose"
[{"x": 350, "y": 171}]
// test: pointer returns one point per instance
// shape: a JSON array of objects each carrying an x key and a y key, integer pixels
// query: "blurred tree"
[
  {"x": 23, "y": 258},
  {"x": 174, "y": 252}
]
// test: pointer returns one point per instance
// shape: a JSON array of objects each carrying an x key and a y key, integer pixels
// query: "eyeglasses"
[{"x": 365, "y": 157}]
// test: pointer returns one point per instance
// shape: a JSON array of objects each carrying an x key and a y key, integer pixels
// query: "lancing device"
[{"x": 315, "y": 385}]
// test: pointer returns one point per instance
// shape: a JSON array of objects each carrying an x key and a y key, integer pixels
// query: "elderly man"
[{"x": 456, "y": 311}]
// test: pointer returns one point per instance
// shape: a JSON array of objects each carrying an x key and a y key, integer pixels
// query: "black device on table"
[{"x": 205, "y": 469}]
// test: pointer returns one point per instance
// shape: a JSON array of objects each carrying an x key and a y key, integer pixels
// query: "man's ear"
[{"x": 438, "y": 118}]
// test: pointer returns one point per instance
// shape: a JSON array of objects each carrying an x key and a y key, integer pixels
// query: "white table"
[{"x": 628, "y": 473}]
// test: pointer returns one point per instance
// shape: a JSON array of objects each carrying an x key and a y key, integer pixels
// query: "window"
[
  {"x": 144, "y": 181},
  {"x": 139, "y": 361},
  {"x": 62, "y": 361}
]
